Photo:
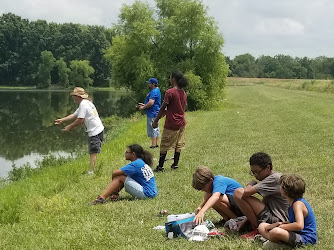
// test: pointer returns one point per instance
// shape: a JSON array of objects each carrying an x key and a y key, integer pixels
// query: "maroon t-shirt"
[{"x": 176, "y": 100}]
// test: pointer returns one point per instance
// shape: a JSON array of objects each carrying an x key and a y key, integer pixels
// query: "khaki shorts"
[{"x": 172, "y": 139}]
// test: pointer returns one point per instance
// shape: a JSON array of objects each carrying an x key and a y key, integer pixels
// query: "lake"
[{"x": 27, "y": 125}]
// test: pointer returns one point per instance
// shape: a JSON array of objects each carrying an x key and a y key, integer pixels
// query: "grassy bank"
[
  {"x": 325, "y": 86},
  {"x": 50, "y": 211}
]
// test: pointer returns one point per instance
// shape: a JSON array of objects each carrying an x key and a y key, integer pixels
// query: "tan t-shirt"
[{"x": 269, "y": 189}]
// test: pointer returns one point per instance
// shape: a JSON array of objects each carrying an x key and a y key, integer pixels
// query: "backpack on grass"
[{"x": 181, "y": 228}]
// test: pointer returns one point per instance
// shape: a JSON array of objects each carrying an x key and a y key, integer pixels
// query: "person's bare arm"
[
  {"x": 117, "y": 172},
  {"x": 250, "y": 189},
  {"x": 298, "y": 225},
  {"x": 77, "y": 122},
  {"x": 143, "y": 106},
  {"x": 160, "y": 114},
  {"x": 209, "y": 204},
  {"x": 65, "y": 119}
]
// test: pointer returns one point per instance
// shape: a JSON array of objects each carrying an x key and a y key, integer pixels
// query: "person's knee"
[
  {"x": 220, "y": 205},
  {"x": 275, "y": 234},
  {"x": 262, "y": 227},
  {"x": 238, "y": 193},
  {"x": 121, "y": 178}
]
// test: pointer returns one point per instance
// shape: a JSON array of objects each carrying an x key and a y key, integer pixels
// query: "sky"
[{"x": 260, "y": 27}]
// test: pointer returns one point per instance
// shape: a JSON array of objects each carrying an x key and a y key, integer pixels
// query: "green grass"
[
  {"x": 326, "y": 86},
  {"x": 49, "y": 210},
  {"x": 15, "y": 88}
]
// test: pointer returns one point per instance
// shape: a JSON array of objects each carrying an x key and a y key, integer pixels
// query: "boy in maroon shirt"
[{"x": 173, "y": 107}]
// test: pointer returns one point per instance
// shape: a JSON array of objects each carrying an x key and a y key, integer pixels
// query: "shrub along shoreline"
[{"x": 49, "y": 210}]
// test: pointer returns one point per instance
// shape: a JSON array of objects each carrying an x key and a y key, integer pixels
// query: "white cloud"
[{"x": 280, "y": 27}]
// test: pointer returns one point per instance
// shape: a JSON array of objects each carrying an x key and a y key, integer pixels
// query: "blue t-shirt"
[
  {"x": 224, "y": 185},
  {"x": 309, "y": 232},
  {"x": 154, "y": 109},
  {"x": 143, "y": 174}
]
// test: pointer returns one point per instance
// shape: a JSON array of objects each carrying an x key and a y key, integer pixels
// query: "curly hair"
[
  {"x": 261, "y": 159},
  {"x": 141, "y": 153},
  {"x": 180, "y": 79}
]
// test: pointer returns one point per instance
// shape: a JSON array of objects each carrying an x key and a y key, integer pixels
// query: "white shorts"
[{"x": 134, "y": 188}]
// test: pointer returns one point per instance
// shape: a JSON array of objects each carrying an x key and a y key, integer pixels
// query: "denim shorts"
[
  {"x": 95, "y": 143},
  {"x": 152, "y": 132},
  {"x": 134, "y": 188}
]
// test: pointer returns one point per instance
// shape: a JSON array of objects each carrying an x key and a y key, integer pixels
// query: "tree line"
[
  {"x": 40, "y": 53},
  {"x": 281, "y": 66},
  {"x": 146, "y": 42}
]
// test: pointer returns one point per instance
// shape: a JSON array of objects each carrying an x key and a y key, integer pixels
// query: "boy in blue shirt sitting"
[
  {"x": 301, "y": 229},
  {"x": 218, "y": 194}
]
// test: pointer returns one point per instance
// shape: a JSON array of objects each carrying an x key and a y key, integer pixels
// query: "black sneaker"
[
  {"x": 158, "y": 169},
  {"x": 174, "y": 167}
]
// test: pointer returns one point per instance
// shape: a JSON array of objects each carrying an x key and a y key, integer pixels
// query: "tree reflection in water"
[{"x": 27, "y": 123}]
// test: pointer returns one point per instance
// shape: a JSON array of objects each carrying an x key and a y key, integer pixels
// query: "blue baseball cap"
[{"x": 153, "y": 81}]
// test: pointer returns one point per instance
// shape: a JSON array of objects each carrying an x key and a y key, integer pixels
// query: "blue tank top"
[{"x": 309, "y": 232}]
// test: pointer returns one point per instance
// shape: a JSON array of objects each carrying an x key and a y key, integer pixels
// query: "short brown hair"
[
  {"x": 293, "y": 185},
  {"x": 201, "y": 177}
]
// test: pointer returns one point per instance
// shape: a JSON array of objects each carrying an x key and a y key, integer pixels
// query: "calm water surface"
[{"x": 27, "y": 125}]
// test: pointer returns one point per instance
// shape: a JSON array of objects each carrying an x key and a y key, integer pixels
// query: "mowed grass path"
[{"x": 50, "y": 211}]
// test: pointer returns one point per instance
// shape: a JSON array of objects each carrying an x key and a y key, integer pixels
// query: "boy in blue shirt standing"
[
  {"x": 152, "y": 106},
  {"x": 218, "y": 194},
  {"x": 301, "y": 229}
]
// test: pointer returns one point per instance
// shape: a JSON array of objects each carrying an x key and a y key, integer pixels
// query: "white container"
[{"x": 176, "y": 217}]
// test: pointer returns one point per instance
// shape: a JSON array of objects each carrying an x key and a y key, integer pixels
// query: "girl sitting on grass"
[{"x": 137, "y": 177}]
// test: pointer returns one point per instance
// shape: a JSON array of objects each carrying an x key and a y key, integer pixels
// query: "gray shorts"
[
  {"x": 152, "y": 132},
  {"x": 95, "y": 143},
  {"x": 134, "y": 188},
  {"x": 267, "y": 216},
  {"x": 295, "y": 240}
]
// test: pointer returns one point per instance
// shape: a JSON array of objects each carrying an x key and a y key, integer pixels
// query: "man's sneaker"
[
  {"x": 250, "y": 235},
  {"x": 99, "y": 200},
  {"x": 90, "y": 172},
  {"x": 273, "y": 245},
  {"x": 158, "y": 169},
  {"x": 114, "y": 196},
  {"x": 174, "y": 167}
]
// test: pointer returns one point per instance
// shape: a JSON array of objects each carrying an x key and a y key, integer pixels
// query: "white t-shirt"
[{"x": 92, "y": 121}]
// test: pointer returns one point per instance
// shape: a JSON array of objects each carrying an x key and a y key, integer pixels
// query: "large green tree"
[
  {"x": 80, "y": 73},
  {"x": 44, "y": 69},
  {"x": 63, "y": 73},
  {"x": 244, "y": 65},
  {"x": 176, "y": 35}
]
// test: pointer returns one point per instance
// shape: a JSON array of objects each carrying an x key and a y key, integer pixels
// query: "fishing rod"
[{"x": 133, "y": 99}]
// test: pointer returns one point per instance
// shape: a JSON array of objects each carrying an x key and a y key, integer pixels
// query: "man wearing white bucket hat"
[{"x": 87, "y": 116}]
